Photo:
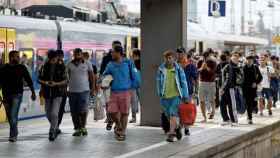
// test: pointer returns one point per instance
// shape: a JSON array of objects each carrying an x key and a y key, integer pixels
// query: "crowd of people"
[
  {"x": 231, "y": 81},
  {"x": 77, "y": 80}
]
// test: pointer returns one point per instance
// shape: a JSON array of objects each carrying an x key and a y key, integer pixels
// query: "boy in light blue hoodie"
[{"x": 172, "y": 89}]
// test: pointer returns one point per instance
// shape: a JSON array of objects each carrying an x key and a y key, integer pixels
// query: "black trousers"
[
  {"x": 250, "y": 95},
  {"x": 228, "y": 106},
  {"x": 62, "y": 110}
]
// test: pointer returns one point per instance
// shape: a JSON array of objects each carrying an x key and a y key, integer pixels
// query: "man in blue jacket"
[
  {"x": 185, "y": 61},
  {"x": 172, "y": 89},
  {"x": 125, "y": 79}
]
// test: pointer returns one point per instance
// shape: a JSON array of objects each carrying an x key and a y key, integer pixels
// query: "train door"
[
  {"x": 128, "y": 45},
  {"x": 131, "y": 43},
  {"x": 7, "y": 43},
  {"x": 3, "y": 41}
]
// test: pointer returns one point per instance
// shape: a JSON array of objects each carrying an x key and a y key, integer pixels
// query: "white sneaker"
[
  {"x": 234, "y": 124},
  {"x": 224, "y": 123}
]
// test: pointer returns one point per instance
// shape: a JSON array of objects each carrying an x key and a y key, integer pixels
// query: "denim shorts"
[
  {"x": 170, "y": 106},
  {"x": 79, "y": 102},
  {"x": 266, "y": 93}
]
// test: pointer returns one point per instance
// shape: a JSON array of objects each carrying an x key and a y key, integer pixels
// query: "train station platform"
[{"x": 206, "y": 140}]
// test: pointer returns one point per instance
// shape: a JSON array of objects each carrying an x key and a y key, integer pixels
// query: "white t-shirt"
[{"x": 266, "y": 81}]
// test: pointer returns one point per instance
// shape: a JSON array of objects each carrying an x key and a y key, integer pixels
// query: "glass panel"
[
  {"x": 99, "y": 54},
  {"x": 11, "y": 46},
  {"x": 26, "y": 58},
  {"x": 41, "y": 57}
]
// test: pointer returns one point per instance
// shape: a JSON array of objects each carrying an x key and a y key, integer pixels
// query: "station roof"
[{"x": 197, "y": 32}]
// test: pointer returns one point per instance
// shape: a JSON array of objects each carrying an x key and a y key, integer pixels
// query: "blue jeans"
[
  {"x": 79, "y": 102},
  {"x": 12, "y": 106}
]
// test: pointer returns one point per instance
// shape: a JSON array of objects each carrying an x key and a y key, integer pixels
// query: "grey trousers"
[
  {"x": 134, "y": 102},
  {"x": 52, "y": 109}
]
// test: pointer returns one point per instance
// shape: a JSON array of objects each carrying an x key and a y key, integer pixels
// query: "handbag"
[{"x": 187, "y": 113}]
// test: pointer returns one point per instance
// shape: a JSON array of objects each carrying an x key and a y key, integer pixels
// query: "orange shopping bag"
[{"x": 187, "y": 113}]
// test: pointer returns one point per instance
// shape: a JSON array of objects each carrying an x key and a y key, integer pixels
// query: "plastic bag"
[{"x": 98, "y": 109}]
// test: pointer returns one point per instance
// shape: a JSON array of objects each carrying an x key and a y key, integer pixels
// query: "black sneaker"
[
  {"x": 12, "y": 139},
  {"x": 187, "y": 132},
  {"x": 250, "y": 122},
  {"x": 109, "y": 126},
  {"x": 84, "y": 132},
  {"x": 179, "y": 134},
  {"x": 52, "y": 136},
  {"x": 58, "y": 131},
  {"x": 77, "y": 133},
  {"x": 133, "y": 120},
  {"x": 270, "y": 113}
]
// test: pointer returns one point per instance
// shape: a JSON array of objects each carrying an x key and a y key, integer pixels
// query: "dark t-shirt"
[
  {"x": 105, "y": 61},
  {"x": 12, "y": 79},
  {"x": 137, "y": 64},
  {"x": 94, "y": 69},
  {"x": 206, "y": 75}
]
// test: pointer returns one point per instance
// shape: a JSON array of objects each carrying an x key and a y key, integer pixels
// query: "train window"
[
  {"x": 69, "y": 55},
  {"x": 134, "y": 42},
  {"x": 26, "y": 58},
  {"x": 88, "y": 50},
  {"x": 2, "y": 50},
  {"x": 99, "y": 54},
  {"x": 90, "y": 54},
  {"x": 41, "y": 57},
  {"x": 11, "y": 46}
]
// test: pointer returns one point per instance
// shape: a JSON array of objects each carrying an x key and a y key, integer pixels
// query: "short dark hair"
[
  {"x": 60, "y": 52},
  {"x": 223, "y": 57},
  {"x": 12, "y": 53},
  {"x": 273, "y": 57},
  {"x": 52, "y": 54},
  {"x": 118, "y": 49},
  {"x": 206, "y": 54},
  {"x": 181, "y": 50},
  {"x": 78, "y": 50},
  {"x": 117, "y": 43},
  {"x": 189, "y": 55},
  {"x": 136, "y": 52},
  {"x": 226, "y": 52}
]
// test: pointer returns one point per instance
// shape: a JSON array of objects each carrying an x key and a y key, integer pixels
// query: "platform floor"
[{"x": 142, "y": 142}]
